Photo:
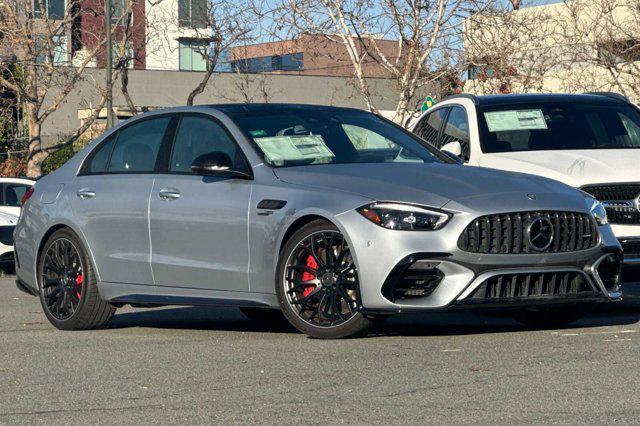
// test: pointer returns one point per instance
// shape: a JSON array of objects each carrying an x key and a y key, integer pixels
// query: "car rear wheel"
[
  {"x": 68, "y": 285},
  {"x": 550, "y": 317},
  {"x": 317, "y": 283}
]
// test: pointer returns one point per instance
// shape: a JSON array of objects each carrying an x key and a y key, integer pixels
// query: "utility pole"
[{"x": 108, "y": 60}]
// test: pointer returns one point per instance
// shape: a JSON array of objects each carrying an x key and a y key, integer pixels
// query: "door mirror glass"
[
  {"x": 453, "y": 147},
  {"x": 215, "y": 163}
]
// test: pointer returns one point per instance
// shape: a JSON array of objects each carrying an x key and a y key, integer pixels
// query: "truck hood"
[
  {"x": 576, "y": 168},
  {"x": 437, "y": 185}
]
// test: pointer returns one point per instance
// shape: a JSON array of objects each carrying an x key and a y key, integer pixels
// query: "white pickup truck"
[{"x": 589, "y": 141}]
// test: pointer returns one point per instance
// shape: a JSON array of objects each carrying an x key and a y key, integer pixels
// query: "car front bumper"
[{"x": 385, "y": 258}]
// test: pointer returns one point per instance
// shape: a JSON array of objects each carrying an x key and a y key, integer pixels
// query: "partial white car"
[
  {"x": 589, "y": 141},
  {"x": 7, "y": 226},
  {"x": 12, "y": 190}
]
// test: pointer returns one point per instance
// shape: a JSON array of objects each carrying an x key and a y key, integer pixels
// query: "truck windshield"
[{"x": 544, "y": 126}]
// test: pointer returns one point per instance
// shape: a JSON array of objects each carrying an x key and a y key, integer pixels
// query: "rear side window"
[
  {"x": 198, "y": 136},
  {"x": 137, "y": 146},
  {"x": 99, "y": 159},
  {"x": 429, "y": 127},
  {"x": 13, "y": 193}
]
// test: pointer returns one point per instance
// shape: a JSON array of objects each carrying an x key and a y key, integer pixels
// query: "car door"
[
  {"x": 430, "y": 126},
  {"x": 456, "y": 129},
  {"x": 111, "y": 200},
  {"x": 198, "y": 224}
]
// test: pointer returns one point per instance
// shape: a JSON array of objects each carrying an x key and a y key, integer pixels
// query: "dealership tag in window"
[
  {"x": 524, "y": 119},
  {"x": 290, "y": 148}
]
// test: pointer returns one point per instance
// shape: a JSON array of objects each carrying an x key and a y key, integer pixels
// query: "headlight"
[
  {"x": 404, "y": 217},
  {"x": 597, "y": 210}
]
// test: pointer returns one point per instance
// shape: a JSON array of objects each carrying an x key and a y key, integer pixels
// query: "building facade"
[
  {"x": 320, "y": 55},
  {"x": 572, "y": 46}
]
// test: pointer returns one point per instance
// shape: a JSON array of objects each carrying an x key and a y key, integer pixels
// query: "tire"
[
  {"x": 550, "y": 317},
  {"x": 264, "y": 315},
  {"x": 90, "y": 311},
  {"x": 324, "y": 311}
]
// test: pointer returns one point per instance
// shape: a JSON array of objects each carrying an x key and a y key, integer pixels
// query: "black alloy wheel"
[{"x": 319, "y": 289}]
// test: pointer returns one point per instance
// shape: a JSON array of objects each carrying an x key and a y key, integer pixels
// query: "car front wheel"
[{"x": 317, "y": 283}]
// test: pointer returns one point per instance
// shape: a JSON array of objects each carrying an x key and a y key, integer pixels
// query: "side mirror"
[
  {"x": 454, "y": 147},
  {"x": 216, "y": 163}
]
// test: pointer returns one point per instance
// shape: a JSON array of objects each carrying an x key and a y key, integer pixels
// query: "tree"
[
  {"x": 45, "y": 66},
  {"x": 424, "y": 33}
]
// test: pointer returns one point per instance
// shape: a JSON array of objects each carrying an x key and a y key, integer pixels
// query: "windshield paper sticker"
[
  {"x": 524, "y": 119},
  {"x": 280, "y": 148}
]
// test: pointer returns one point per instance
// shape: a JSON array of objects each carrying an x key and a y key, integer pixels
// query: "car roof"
[
  {"x": 490, "y": 100},
  {"x": 244, "y": 108}
]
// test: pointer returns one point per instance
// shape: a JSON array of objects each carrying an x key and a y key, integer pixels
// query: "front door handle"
[
  {"x": 169, "y": 194},
  {"x": 85, "y": 193}
]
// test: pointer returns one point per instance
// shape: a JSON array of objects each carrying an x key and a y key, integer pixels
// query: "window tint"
[
  {"x": 137, "y": 146},
  {"x": 457, "y": 129},
  {"x": 13, "y": 193},
  {"x": 198, "y": 136},
  {"x": 559, "y": 126},
  {"x": 97, "y": 162},
  {"x": 429, "y": 126},
  {"x": 298, "y": 137}
]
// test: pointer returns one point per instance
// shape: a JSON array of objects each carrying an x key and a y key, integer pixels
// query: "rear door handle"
[
  {"x": 85, "y": 193},
  {"x": 169, "y": 194}
]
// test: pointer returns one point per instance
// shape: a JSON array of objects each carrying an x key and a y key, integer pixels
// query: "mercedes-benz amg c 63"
[{"x": 333, "y": 216}]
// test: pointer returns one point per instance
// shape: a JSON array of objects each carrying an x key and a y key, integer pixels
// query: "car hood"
[
  {"x": 437, "y": 185},
  {"x": 576, "y": 168}
]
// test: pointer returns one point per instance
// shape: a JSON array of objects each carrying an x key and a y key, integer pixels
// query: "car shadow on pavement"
[{"x": 423, "y": 324}]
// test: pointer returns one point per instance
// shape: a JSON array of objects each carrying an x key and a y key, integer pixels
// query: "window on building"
[
  {"x": 192, "y": 13},
  {"x": 118, "y": 9},
  {"x": 119, "y": 56},
  {"x": 59, "y": 50},
  {"x": 288, "y": 62},
  {"x": 193, "y": 55},
  {"x": 54, "y": 9},
  {"x": 619, "y": 51}
]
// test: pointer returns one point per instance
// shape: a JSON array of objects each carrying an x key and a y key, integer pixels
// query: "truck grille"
[
  {"x": 532, "y": 285},
  {"x": 619, "y": 200},
  {"x": 508, "y": 233}
]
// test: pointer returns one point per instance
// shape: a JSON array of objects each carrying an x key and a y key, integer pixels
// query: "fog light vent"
[
  {"x": 610, "y": 270},
  {"x": 420, "y": 279}
]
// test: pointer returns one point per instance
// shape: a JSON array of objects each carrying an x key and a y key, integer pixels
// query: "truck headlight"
[
  {"x": 597, "y": 210},
  {"x": 404, "y": 217}
]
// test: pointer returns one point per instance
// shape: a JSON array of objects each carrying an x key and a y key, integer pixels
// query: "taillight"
[{"x": 27, "y": 195}]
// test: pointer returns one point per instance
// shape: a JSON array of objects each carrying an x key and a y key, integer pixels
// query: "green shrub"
[{"x": 57, "y": 159}]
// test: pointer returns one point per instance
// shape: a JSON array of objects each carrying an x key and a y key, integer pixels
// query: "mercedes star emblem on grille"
[{"x": 540, "y": 233}]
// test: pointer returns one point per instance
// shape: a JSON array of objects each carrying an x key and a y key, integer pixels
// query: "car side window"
[
  {"x": 429, "y": 127},
  {"x": 13, "y": 193},
  {"x": 457, "y": 129},
  {"x": 99, "y": 158},
  {"x": 137, "y": 146},
  {"x": 197, "y": 136}
]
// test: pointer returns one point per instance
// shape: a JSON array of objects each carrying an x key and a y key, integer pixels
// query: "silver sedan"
[{"x": 330, "y": 216}]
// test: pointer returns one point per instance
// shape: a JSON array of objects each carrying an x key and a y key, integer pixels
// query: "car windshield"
[
  {"x": 544, "y": 126},
  {"x": 298, "y": 137}
]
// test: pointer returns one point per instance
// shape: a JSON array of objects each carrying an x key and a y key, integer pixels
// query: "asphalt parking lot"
[{"x": 197, "y": 365}]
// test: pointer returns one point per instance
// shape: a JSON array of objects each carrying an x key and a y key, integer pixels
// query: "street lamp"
[{"x": 108, "y": 60}]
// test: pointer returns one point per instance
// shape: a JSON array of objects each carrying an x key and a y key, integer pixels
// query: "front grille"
[
  {"x": 631, "y": 248},
  {"x": 507, "y": 233},
  {"x": 619, "y": 200},
  {"x": 534, "y": 285}
]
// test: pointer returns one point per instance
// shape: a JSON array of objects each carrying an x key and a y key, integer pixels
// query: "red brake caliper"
[
  {"x": 79, "y": 280},
  {"x": 311, "y": 263}
]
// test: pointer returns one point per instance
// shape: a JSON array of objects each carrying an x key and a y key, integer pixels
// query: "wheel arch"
[{"x": 50, "y": 231}]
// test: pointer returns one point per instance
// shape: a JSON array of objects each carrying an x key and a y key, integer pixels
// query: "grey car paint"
[{"x": 206, "y": 246}]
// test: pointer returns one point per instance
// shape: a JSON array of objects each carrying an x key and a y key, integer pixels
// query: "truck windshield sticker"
[
  {"x": 278, "y": 149},
  {"x": 523, "y": 119}
]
